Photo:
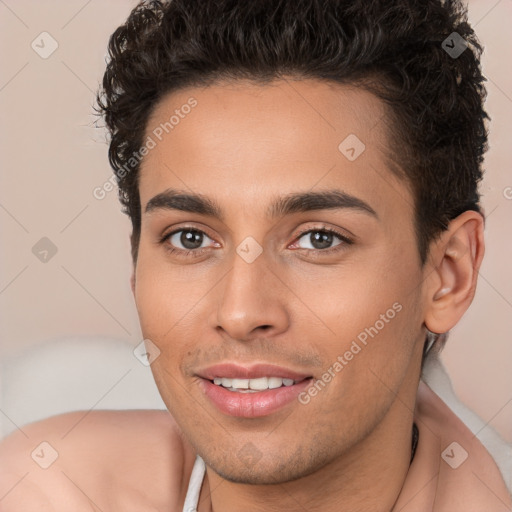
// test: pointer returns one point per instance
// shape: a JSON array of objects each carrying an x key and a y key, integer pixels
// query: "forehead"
[{"x": 240, "y": 139}]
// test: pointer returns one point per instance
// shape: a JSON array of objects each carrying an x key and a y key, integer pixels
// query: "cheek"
[
  {"x": 375, "y": 317},
  {"x": 369, "y": 299},
  {"x": 150, "y": 299},
  {"x": 172, "y": 314},
  {"x": 162, "y": 309},
  {"x": 166, "y": 297}
]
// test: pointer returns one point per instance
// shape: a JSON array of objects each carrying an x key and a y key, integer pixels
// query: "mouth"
[{"x": 252, "y": 392}]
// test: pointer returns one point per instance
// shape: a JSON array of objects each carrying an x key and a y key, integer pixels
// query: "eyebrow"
[{"x": 298, "y": 202}]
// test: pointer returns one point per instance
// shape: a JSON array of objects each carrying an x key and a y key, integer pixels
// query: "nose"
[{"x": 251, "y": 301}]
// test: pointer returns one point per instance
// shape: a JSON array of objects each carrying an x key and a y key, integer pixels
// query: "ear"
[{"x": 455, "y": 259}]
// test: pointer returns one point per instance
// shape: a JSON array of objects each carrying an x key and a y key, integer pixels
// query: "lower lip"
[{"x": 252, "y": 405}]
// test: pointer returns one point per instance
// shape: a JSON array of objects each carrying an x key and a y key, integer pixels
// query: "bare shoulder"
[{"x": 112, "y": 460}]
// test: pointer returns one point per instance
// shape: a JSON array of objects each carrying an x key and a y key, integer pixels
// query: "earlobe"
[{"x": 456, "y": 258}]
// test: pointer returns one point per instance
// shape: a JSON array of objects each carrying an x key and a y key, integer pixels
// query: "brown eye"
[
  {"x": 321, "y": 240},
  {"x": 187, "y": 239}
]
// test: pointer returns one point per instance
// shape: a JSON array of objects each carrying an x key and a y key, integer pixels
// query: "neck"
[{"x": 368, "y": 477}]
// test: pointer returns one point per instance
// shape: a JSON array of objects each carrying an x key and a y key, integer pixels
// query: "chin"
[
  {"x": 272, "y": 469},
  {"x": 260, "y": 476}
]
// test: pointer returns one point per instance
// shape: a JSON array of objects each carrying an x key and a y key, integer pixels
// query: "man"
[{"x": 301, "y": 177}]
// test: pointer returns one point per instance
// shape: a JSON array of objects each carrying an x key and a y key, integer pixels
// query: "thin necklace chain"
[{"x": 415, "y": 437}]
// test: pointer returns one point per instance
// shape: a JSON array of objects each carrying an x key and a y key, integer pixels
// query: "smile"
[{"x": 251, "y": 391}]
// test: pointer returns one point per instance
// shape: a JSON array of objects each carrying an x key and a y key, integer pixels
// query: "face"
[{"x": 318, "y": 298}]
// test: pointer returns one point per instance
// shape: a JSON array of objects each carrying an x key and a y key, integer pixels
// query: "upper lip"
[{"x": 256, "y": 371}]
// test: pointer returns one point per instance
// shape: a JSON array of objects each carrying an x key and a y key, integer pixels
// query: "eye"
[
  {"x": 186, "y": 241},
  {"x": 322, "y": 239}
]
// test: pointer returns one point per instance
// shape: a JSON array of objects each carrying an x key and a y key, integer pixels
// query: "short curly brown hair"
[{"x": 397, "y": 49}]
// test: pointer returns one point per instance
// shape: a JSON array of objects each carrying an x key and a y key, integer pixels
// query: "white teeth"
[
  {"x": 275, "y": 382},
  {"x": 248, "y": 385},
  {"x": 240, "y": 383},
  {"x": 259, "y": 384}
]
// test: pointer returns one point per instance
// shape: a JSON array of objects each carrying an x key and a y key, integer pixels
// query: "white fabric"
[
  {"x": 194, "y": 486},
  {"x": 73, "y": 374},
  {"x": 436, "y": 376}
]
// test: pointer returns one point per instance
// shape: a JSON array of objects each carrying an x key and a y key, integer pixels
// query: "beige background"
[{"x": 53, "y": 157}]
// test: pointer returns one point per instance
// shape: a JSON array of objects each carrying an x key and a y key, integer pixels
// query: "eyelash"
[{"x": 195, "y": 253}]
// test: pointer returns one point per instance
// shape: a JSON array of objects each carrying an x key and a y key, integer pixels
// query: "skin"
[
  {"x": 242, "y": 146},
  {"x": 291, "y": 307}
]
